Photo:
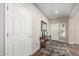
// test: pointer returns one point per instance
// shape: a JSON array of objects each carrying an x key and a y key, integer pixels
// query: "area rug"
[{"x": 56, "y": 48}]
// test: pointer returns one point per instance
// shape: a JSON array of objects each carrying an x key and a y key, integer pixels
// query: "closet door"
[{"x": 21, "y": 30}]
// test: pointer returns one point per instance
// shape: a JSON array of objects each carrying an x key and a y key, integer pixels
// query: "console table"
[{"x": 43, "y": 42}]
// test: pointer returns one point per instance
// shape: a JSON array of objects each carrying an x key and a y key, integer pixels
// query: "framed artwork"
[
  {"x": 62, "y": 29},
  {"x": 43, "y": 26}
]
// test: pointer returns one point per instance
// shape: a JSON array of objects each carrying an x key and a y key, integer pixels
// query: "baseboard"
[{"x": 35, "y": 51}]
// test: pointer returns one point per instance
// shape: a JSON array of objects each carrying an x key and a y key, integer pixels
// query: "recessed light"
[{"x": 56, "y": 12}]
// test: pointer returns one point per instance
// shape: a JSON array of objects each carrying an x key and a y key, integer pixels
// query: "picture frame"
[
  {"x": 62, "y": 30},
  {"x": 43, "y": 26}
]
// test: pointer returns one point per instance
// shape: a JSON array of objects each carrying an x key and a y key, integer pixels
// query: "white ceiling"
[{"x": 55, "y": 10}]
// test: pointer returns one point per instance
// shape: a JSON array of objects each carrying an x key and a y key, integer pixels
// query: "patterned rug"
[{"x": 56, "y": 48}]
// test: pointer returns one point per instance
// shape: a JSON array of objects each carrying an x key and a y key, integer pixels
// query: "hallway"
[{"x": 39, "y": 29}]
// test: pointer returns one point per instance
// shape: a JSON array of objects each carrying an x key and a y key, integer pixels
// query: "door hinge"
[
  {"x": 7, "y": 7},
  {"x": 7, "y": 34}
]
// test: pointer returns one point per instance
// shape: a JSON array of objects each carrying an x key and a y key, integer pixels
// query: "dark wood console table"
[{"x": 43, "y": 42}]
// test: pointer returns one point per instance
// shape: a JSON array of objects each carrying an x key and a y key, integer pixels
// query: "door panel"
[
  {"x": 21, "y": 30},
  {"x": 8, "y": 30}
]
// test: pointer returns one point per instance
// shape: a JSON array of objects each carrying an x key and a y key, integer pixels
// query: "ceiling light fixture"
[{"x": 56, "y": 12}]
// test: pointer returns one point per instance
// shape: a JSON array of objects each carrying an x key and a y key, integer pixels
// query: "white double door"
[{"x": 18, "y": 30}]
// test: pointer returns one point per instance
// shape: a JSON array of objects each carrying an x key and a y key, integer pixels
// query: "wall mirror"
[{"x": 43, "y": 26}]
